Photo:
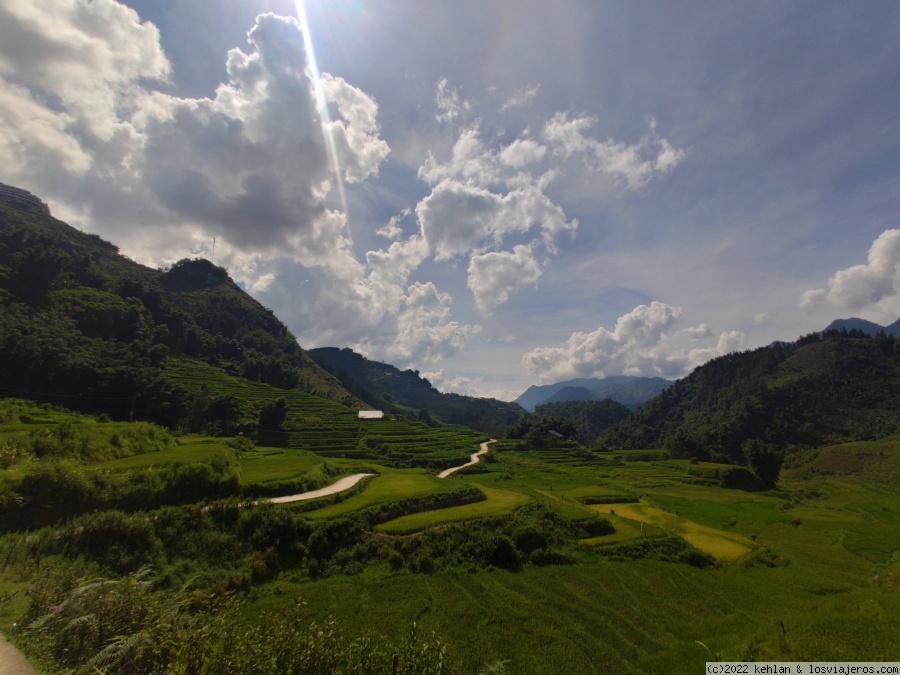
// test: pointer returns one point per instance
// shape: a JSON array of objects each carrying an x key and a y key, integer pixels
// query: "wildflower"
[{"x": 56, "y": 609}]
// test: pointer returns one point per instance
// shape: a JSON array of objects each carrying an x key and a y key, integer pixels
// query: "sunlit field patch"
[
  {"x": 498, "y": 503},
  {"x": 384, "y": 488},
  {"x": 283, "y": 465},
  {"x": 721, "y": 545},
  {"x": 626, "y": 529}
]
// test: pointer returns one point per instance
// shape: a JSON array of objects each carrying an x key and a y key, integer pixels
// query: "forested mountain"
[
  {"x": 589, "y": 418},
  {"x": 405, "y": 391},
  {"x": 627, "y": 390},
  {"x": 826, "y": 387},
  {"x": 85, "y": 327}
]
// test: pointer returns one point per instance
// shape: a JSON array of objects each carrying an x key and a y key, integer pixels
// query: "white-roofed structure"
[{"x": 370, "y": 415}]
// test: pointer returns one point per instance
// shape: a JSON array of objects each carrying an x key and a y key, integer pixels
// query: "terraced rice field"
[{"x": 329, "y": 429}]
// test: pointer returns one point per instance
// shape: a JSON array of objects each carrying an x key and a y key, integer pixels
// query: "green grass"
[
  {"x": 389, "y": 486},
  {"x": 497, "y": 503},
  {"x": 820, "y": 556},
  {"x": 279, "y": 466},
  {"x": 193, "y": 449},
  {"x": 636, "y": 617}
]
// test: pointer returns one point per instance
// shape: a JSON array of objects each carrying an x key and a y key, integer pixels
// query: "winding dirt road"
[
  {"x": 344, "y": 483},
  {"x": 472, "y": 461}
]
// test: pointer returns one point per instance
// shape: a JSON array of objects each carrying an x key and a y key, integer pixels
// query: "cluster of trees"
[
  {"x": 224, "y": 546},
  {"x": 589, "y": 418},
  {"x": 534, "y": 431},
  {"x": 54, "y": 489}
]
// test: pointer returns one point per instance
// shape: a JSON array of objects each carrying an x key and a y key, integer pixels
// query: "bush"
[
  {"x": 505, "y": 554},
  {"x": 118, "y": 541},
  {"x": 549, "y": 557},
  {"x": 695, "y": 558}
]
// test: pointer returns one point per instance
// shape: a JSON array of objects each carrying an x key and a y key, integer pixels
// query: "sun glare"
[{"x": 330, "y": 145}]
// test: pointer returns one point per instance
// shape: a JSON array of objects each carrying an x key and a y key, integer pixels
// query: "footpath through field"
[
  {"x": 471, "y": 462},
  {"x": 12, "y": 662},
  {"x": 344, "y": 483}
]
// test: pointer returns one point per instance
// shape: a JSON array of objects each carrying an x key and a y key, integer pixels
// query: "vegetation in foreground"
[{"x": 613, "y": 561}]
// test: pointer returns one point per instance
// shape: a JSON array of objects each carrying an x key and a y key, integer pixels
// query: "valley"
[
  {"x": 182, "y": 486},
  {"x": 619, "y": 561}
]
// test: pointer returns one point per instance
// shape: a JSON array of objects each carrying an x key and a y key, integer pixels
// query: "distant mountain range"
[
  {"x": 867, "y": 327},
  {"x": 624, "y": 389}
]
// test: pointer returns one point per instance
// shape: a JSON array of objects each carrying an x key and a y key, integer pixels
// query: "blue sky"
[{"x": 496, "y": 194}]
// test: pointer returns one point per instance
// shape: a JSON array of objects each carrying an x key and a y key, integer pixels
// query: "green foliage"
[
  {"x": 121, "y": 543},
  {"x": 764, "y": 458},
  {"x": 589, "y": 418},
  {"x": 820, "y": 389},
  {"x": 535, "y": 432},
  {"x": 273, "y": 414},
  {"x": 125, "y": 626}
]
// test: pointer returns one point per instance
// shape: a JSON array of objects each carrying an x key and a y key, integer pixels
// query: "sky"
[{"x": 496, "y": 194}]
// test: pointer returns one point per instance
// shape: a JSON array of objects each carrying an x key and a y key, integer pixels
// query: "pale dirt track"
[
  {"x": 344, "y": 483},
  {"x": 12, "y": 662},
  {"x": 474, "y": 460}
]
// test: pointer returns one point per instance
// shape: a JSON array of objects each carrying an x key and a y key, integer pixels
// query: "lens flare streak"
[{"x": 330, "y": 145}]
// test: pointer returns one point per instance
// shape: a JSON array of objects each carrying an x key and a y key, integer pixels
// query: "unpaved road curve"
[
  {"x": 12, "y": 662},
  {"x": 473, "y": 460},
  {"x": 344, "y": 483}
]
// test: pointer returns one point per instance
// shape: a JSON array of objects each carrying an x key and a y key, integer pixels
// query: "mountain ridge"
[
  {"x": 870, "y": 328},
  {"x": 406, "y": 392},
  {"x": 825, "y": 388},
  {"x": 628, "y": 390},
  {"x": 86, "y": 327}
]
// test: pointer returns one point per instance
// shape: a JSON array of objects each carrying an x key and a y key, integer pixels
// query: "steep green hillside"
[
  {"x": 85, "y": 327},
  {"x": 319, "y": 425},
  {"x": 406, "y": 392},
  {"x": 822, "y": 389}
]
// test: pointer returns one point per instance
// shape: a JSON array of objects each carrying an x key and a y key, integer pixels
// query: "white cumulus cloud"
[
  {"x": 484, "y": 192},
  {"x": 871, "y": 288},
  {"x": 640, "y": 344},
  {"x": 521, "y": 97},
  {"x": 494, "y": 276}
]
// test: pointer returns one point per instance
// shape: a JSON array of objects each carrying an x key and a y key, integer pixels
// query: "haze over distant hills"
[{"x": 627, "y": 390}]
